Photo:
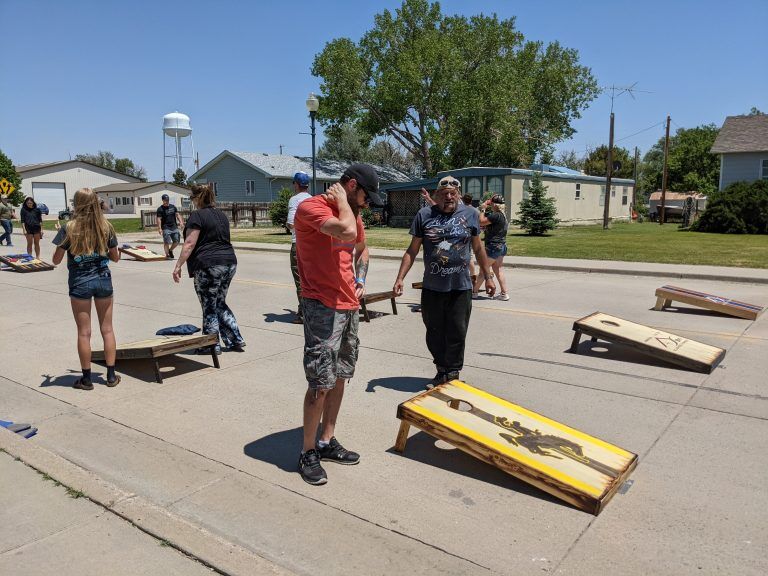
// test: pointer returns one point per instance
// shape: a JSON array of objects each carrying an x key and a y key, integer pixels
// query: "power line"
[{"x": 641, "y": 131}]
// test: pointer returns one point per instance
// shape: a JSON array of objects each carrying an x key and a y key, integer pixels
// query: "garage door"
[{"x": 52, "y": 194}]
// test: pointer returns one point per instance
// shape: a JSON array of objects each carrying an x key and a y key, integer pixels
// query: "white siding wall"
[
  {"x": 136, "y": 207},
  {"x": 738, "y": 167}
]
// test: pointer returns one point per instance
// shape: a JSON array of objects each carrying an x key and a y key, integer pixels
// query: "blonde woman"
[
  {"x": 89, "y": 242},
  {"x": 496, "y": 226}
]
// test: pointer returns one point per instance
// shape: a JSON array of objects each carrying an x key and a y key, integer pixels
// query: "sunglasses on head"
[{"x": 449, "y": 183}]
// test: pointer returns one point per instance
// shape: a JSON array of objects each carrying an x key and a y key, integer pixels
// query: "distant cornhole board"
[
  {"x": 154, "y": 348},
  {"x": 417, "y": 285},
  {"x": 571, "y": 465},
  {"x": 141, "y": 253},
  {"x": 377, "y": 297},
  {"x": 25, "y": 263},
  {"x": 668, "y": 294},
  {"x": 670, "y": 347}
]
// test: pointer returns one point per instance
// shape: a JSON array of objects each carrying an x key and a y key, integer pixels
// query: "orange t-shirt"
[{"x": 325, "y": 263}]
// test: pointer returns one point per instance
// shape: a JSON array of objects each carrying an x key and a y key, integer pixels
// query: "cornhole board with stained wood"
[
  {"x": 571, "y": 465},
  {"x": 154, "y": 348},
  {"x": 141, "y": 254},
  {"x": 417, "y": 285},
  {"x": 25, "y": 263},
  {"x": 669, "y": 347},
  {"x": 377, "y": 297},
  {"x": 668, "y": 294}
]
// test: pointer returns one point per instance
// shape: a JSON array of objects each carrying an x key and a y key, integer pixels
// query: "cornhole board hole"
[
  {"x": 155, "y": 348},
  {"x": 417, "y": 285},
  {"x": 141, "y": 254},
  {"x": 668, "y": 294},
  {"x": 377, "y": 297},
  {"x": 25, "y": 263},
  {"x": 562, "y": 461},
  {"x": 670, "y": 347}
]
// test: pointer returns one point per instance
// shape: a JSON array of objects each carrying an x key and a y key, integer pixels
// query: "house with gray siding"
[
  {"x": 743, "y": 147},
  {"x": 259, "y": 177}
]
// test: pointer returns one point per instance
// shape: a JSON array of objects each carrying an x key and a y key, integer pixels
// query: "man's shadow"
[
  {"x": 286, "y": 318},
  {"x": 400, "y": 383},
  {"x": 280, "y": 448},
  {"x": 67, "y": 380}
]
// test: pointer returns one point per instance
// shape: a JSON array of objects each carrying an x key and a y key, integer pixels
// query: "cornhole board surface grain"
[
  {"x": 562, "y": 461},
  {"x": 377, "y": 297},
  {"x": 669, "y": 347},
  {"x": 155, "y": 348},
  {"x": 142, "y": 254},
  {"x": 33, "y": 265},
  {"x": 668, "y": 294}
]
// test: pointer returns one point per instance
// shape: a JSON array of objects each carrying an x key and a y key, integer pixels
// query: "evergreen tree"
[
  {"x": 180, "y": 177},
  {"x": 8, "y": 172},
  {"x": 538, "y": 212},
  {"x": 278, "y": 210}
]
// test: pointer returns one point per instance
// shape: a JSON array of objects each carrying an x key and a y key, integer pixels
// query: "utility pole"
[
  {"x": 281, "y": 149},
  {"x": 634, "y": 177},
  {"x": 609, "y": 175},
  {"x": 662, "y": 208}
]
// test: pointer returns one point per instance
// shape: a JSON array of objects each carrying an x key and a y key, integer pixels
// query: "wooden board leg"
[
  {"x": 158, "y": 376},
  {"x": 593, "y": 339},
  {"x": 575, "y": 341},
  {"x": 659, "y": 303},
  {"x": 667, "y": 303},
  {"x": 215, "y": 357},
  {"x": 394, "y": 307},
  {"x": 402, "y": 436}
]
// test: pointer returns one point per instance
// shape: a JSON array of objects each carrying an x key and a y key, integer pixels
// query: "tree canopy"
[
  {"x": 595, "y": 164},
  {"x": 107, "y": 159},
  {"x": 452, "y": 90},
  {"x": 8, "y": 171},
  {"x": 180, "y": 177}
]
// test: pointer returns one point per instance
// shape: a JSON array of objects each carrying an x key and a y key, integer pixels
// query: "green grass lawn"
[{"x": 645, "y": 242}]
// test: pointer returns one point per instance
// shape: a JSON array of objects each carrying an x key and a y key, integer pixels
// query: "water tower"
[{"x": 176, "y": 128}]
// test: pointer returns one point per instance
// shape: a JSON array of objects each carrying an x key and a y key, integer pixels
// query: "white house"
[
  {"x": 132, "y": 198},
  {"x": 55, "y": 183}
]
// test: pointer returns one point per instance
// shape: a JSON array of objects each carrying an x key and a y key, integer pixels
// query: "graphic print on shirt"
[{"x": 450, "y": 236}]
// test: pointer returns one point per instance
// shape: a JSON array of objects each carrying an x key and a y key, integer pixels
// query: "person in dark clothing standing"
[
  {"x": 447, "y": 230},
  {"x": 168, "y": 222},
  {"x": 211, "y": 261},
  {"x": 31, "y": 224}
]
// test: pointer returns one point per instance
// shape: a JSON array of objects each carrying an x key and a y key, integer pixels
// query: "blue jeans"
[
  {"x": 212, "y": 285},
  {"x": 95, "y": 286},
  {"x": 7, "y": 231}
]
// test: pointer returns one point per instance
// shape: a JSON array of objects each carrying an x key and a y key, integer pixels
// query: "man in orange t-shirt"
[{"x": 333, "y": 265}]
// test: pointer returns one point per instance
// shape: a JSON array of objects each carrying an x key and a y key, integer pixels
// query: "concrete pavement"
[{"x": 210, "y": 454}]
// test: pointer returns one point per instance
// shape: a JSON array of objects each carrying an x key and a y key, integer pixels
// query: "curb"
[
  {"x": 553, "y": 267},
  {"x": 191, "y": 539}
]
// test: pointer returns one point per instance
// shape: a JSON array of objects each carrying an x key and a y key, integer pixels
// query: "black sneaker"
[
  {"x": 335, "y": 452},
  {"x": 170, "y": 253},
  {"x": 438, "y": 379},
  {"x": 451, "y": 376},
  {"x": 310, "y": 469}
]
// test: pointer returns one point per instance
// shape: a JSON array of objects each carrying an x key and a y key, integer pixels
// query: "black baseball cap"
[
  {"x": 368, "y": 180},
  {"x": 164, "y": 197}
]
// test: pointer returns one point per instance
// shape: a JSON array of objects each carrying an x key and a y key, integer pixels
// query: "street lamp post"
[{"x": 312, "y": 105}]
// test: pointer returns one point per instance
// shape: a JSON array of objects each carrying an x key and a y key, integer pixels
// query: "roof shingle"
[{"x": 742, "y": 134}]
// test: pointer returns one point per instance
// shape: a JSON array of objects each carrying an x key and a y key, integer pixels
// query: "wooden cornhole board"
[
  {"x": 670, "y": 347},
  {"x": 417, "y": 285},
  {"x": 571, "y": 465},
  {"x": 668, "y": 294},
  {"x": 377, "y": 297},
  {"x": 17, "y": 262},
  {"x": 154, "y": 348},
  {"x": 142, "y": 254}
]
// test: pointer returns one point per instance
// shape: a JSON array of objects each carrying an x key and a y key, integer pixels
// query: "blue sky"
[{"x": 88, "y": 75}]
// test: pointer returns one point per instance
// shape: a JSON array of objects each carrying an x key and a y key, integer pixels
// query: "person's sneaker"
[
  {"x": 475, "y": 295},
  {"x": 335, "y": 452},
  {"x": 451, "y": 376},
  {"x": 503, "y": 296},
  {"x": 297, "y": 320},
  {"x": 170, "y": 253},
  {"x": 438, "y": 379},
  {"x": 207, "y": 351},
  {"x": 310, "y": 469}
]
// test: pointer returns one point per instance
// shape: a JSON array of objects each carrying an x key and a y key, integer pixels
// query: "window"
[
  {"x": 118, "y": 201},
  {"x": 764, "y": 171},
  {"x": 602, "y": 195},
  {"x": 496, "y": 185},
  {"x": 578, "y": 191},
  {"x": 474, "y": 187},
  {"x": 133, "y": 200},
  {"x": 145, "y": 201},
  {"x": 613, "y": 191},
  {"x": 250, "y": 187},
  {"x": 215, "y": 188},
  {"x": 526, "y": 186},
  {"x": 624, "y": 196}
]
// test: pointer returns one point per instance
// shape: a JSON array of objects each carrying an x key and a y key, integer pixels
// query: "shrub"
[
  {"x": 278, "y": 210},
  {"x": 367, "y": 216},
  {"x": 538, "y": 212},
  {"x": 742, "y": 208}
]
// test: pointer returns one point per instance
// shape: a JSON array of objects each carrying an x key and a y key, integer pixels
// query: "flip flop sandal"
[
  {"x": 114, "y": 382},
  {"x": 82, "y": 384}
]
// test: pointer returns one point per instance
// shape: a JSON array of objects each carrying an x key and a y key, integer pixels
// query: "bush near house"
[
  {"x": 742, "y": 208},
  {"x": 278, "y": 210}
]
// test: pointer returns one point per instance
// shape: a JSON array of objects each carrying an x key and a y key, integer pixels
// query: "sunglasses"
[{"x": 449, "y": 183}]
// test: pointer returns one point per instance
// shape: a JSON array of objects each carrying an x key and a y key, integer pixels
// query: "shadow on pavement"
[
  {"x": 399, "y": 383},
  {"x": 286, "y": 318},
  {"x": 424, "y": 448},
  {"x": 170, "y": 366},
  {"x": 696, "y": 312},
  {"x": 281, "y": 449},
  {"x": 610, "y": 351}
]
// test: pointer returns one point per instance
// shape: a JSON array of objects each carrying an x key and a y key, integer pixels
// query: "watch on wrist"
[{"x": 490, "y": 276}]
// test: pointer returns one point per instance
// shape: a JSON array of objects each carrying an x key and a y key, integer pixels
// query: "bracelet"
[
  {"x": 490, "y": 277},
  {"x": 360, "y": 280}
]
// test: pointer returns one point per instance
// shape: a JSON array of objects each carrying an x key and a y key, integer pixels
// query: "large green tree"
[
  {"x": 596, "y": 162},
  {"x": 691, "y": 165},
  {"x": 107, "y": 159},
  {"x": 452, "y": 90},
  {"x": 8, "y": 171},
  {"x": 345, "y": 143}
]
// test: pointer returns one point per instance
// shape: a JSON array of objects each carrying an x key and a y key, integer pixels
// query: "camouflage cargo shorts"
[{"x": 330, "y": 344}]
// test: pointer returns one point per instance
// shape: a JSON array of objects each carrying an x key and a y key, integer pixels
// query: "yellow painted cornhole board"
[
  {"x": 154, "y": 348},
  {"x": 668, "y": 294},
  {"x": 142, "y": 254},
  {"x": 571, "y": 465},
  {"x": 669, "y": 347}
]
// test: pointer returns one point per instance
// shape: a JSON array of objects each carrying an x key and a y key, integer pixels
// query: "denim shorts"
[
  {"x": 330, "y": 344},
  {"x": 496, "y": 250},
  {"x": 94, "y": 287},
  {"x": 171, "y": 236}
]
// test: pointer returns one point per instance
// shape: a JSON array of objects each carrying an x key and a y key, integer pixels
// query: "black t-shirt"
[
  {"x": 496, "y": 230},
  {"x": 31, "y": 218},
  {"x": 213, "y": 246},
  {"x": 167, "y": 217}
]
